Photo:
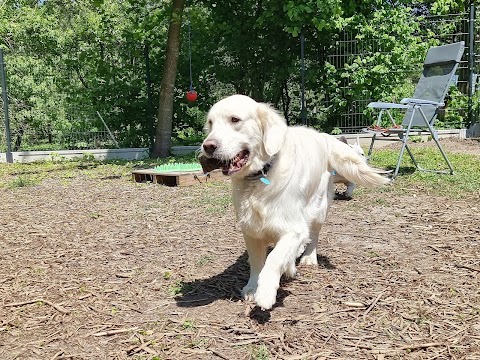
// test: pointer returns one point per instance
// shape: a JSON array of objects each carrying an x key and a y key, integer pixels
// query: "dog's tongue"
[{"x": 230, "y": 167}]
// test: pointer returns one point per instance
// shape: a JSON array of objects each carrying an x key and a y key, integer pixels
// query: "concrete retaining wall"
[
  {"x": 142, "y": 153},
  {"x": 98, "y": 154}
]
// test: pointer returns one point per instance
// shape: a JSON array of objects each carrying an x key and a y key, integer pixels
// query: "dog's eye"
[
  {"x": 209, "y": 123},
  {"x": 234, "y": 119}
]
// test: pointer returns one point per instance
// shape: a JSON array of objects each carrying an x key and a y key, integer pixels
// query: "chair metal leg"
[
  {"x": 379, "y": 120},
  {"x": 435, "y": 138},
  {"x": 404, "y": 145},
  {"x": 370, "y": 150},
  {"x": 443, "y": 154},
  {"x": 412, "y": 157}
]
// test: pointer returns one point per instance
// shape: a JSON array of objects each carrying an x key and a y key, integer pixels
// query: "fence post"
[
  {"x": 471, "y": 63},
  {"x": 302, "y": 60},
  {"x": 5, "y": 108}
]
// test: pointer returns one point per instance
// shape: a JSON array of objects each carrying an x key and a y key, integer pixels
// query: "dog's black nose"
[{"x": 210, "y": 146}]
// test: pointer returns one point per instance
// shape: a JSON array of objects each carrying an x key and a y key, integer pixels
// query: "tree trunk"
[{"x": 163, "y": 133}]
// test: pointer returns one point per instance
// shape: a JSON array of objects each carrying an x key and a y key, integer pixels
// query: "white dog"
[
  {"x": 339, "y": 179},
  {"x": 282, "y": 185}
]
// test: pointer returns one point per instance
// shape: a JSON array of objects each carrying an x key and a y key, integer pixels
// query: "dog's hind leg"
[
  {"x": 349, "y": 192},
  {"x": 257, "y": 252},
  {"x": 309, "y": 257},
  {"x": 279, "y": 261},
  {"x": 318, "y": 215}
]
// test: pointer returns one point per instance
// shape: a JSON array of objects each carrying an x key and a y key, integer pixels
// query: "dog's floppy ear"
[{"x": 274, "y": 128}]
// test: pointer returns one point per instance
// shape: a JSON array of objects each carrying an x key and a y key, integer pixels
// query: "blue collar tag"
[{"x": 265, "y": 180}]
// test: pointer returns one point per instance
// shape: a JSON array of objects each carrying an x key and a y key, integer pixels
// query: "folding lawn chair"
[{"x": 439, "y": 69}]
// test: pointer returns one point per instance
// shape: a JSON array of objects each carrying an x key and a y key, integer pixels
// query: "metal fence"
[
  {"x": 84, "y": 129},
  {"x": 353, "y": 117}
]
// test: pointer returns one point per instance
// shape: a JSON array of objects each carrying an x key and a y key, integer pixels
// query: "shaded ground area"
[{"x": 103, "y": 268}]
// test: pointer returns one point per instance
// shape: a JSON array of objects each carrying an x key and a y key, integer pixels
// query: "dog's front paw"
[
  {"x": 309, "y": 259},
  {"x": 265, "y": 298},
  {"x": 248, "y": 292}
]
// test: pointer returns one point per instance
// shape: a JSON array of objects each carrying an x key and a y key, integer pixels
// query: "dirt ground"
[{"x": 105, "y": 268}]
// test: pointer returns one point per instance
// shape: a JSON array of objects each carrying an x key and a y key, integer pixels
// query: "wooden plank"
[{"x": 176, "y": 178}]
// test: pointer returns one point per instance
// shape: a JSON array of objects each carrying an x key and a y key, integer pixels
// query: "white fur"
[
  {"x": 339, "y": 179},
  {"x": 289, "y": 212}
]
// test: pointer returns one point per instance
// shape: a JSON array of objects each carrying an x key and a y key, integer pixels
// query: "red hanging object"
[{"x": 192, "y": 95}]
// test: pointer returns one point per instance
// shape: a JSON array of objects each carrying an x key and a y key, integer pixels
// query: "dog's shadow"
[{"x": 228, "y": 284}]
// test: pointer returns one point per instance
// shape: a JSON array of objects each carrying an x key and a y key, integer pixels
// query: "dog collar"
[{"x": 261, "y": 174}]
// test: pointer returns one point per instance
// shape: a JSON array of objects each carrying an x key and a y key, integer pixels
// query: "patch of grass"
[
  {"x": 215, "y": 199},
  {"x": 260, "y": 352},
  {"x": 68, "y": 169},
  {"x": 200, "y": 343},
  {"x": 204, "y": 260},
  {"x": 21, "y": 181},
  {"x": 179, "y": 288},
  {"x": 188, "y": 324},
  {"x": 466, "y": 178},
  {"x": 175, "y": 289}
]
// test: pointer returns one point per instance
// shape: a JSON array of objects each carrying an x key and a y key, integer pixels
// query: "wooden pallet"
[{"x": 177, "y": 178}]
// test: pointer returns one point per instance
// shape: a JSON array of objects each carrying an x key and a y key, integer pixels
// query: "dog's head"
[{"x": 242, "y": 136}]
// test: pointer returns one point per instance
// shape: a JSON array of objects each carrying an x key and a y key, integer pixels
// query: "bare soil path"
[{"x": 104, "y": 268}]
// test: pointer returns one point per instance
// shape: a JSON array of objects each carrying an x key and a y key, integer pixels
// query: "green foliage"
[
  {"x": 456, "y": 109},
  {"x": 66, "y": 60}
]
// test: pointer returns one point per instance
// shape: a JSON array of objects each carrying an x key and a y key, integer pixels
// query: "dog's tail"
[{"x": 353, "y": 167}]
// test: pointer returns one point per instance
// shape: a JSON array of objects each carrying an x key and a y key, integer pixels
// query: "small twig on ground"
[
  {"x": 6, "y": 279},
  {"x": 219, "y": 354},
  {"x": 60, "y": 355},
  {"x": 85, "y": 296},
  {"x": 113, "y": 332},
  {"x": 460, "y": 266},
  {"x": 246, "y": 342},
  {"x": 298, "y": 357},
  {"x": 142, "y": 347},
  {"x": 361, "y": 235},
  {"x": 56, "y": 355},
  {"x": 420, "y": 346},
  {"x": 373, "y": 303},
  {"x": 326, "y": 341},
  {"x": 55, "y": 306},
  {"x": 354, "y": 304}
]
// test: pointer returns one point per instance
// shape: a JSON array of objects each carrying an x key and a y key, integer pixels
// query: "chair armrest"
[
  {"x": 385, "y": 105},
  {"x": 421, "y": 102}
]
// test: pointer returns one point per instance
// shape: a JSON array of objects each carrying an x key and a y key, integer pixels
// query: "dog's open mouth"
[{"x": 228, "y": 167}]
